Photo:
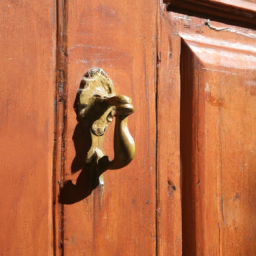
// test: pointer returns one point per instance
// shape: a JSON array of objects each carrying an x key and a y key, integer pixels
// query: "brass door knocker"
[{"x": 96, "y": 106}]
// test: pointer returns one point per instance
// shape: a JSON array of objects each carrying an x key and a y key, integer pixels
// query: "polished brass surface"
[{"x": 96, "y": 106}]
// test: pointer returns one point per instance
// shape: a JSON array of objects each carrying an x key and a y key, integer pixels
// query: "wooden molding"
[{"x": 238, "y": 13}]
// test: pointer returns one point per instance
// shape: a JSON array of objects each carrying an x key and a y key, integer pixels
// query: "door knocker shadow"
[
  {"x": 87, "y": 180},
  {"x": 72, "y": 193}
]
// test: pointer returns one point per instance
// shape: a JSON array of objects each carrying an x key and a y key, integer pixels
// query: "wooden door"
[{"x": 189, "y": 68}]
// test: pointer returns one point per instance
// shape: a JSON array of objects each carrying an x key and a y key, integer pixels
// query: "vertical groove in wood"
[
  {"x": 157, "y": 66},
  {"x": 187, "y": 135},
  {"x": 59, "y": 150}
]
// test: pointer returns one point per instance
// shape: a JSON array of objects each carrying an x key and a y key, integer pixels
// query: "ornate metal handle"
[{"x": 96, "y": 106}]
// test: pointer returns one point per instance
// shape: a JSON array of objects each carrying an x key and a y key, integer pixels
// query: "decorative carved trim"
[{"x": 243, "y": 15}]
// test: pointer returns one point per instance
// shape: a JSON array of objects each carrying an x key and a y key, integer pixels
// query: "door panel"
[
  {"x": 120, "y": 38},
  {"x": 217, "y": 149},
  {"x": 27, "y": 48},
  {"x": 217, "y": 133}
]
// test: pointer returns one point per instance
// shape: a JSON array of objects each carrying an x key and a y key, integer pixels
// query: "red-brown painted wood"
[
  {"x": 169, "y": 235},
  {"x": 119, "y": 37},
  {"x": 27, "y": 49},
  {"x": 218, "y": 149},
  {"x": 217, "y": 134},
  {"x": 190, "y": 189}
]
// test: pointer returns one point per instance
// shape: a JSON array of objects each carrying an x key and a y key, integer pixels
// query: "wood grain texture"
[
  {"x": 217, "y": 135},
  {"x": 27, "y": 48},
  {"x": 169, "y": 237},
  {"x": 119, "y": 37}
]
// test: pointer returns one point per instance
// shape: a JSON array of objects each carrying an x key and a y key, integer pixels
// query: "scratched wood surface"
[
  {"x": 27, "y": 49},
  {"x": 169, "y": 237},
  {"x": 217, "y": 135},
  {"x": 120, "y": 38}
]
